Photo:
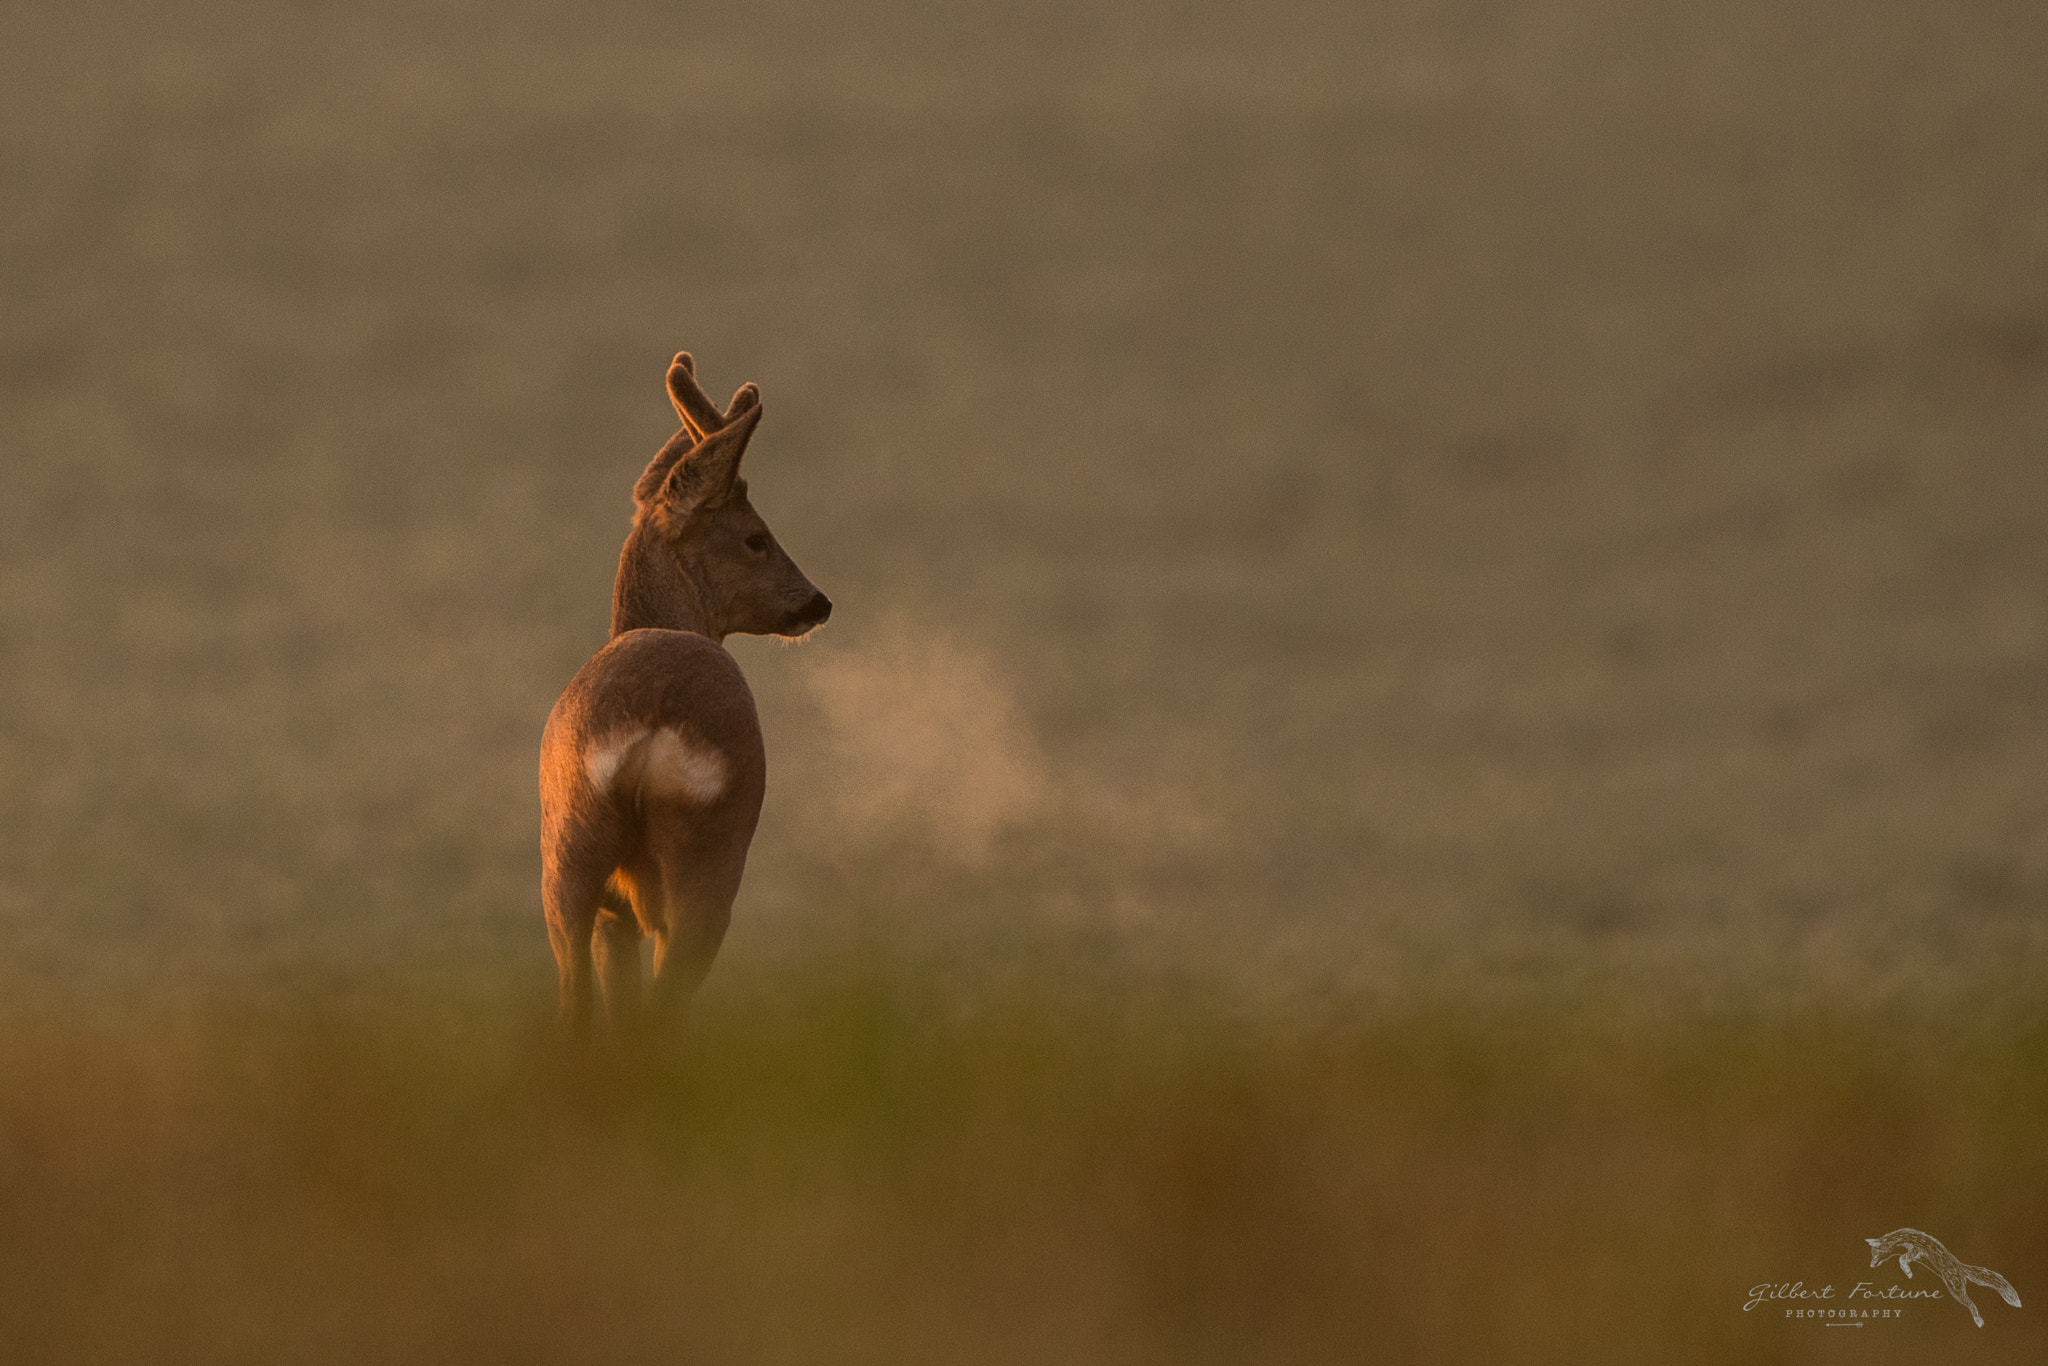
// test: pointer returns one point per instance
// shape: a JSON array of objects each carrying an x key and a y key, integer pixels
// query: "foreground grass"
[{"x": 845, "y": 1168}]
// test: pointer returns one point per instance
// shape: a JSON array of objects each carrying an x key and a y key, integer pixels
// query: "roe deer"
[{"x": 651, "y": 767}]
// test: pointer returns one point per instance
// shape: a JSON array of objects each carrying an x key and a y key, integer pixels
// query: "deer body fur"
[{"x": 652, "y": 765}]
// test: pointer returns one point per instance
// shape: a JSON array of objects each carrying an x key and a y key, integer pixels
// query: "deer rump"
[{"x": 652, "y": 774}]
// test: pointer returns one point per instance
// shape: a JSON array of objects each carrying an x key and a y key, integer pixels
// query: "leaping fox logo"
[{"x": 1910, "y": 1245}]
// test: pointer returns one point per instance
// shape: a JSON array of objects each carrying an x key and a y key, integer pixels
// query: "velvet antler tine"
[{"x": 696, "y": 409}]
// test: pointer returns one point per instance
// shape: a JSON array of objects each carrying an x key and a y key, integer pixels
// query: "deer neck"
[{"x": 654, "y": 590}]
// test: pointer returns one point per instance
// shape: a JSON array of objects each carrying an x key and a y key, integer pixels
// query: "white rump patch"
[
  {"x": 603, "y": 761},
  {"x": 662, "y": 762},
  {"x": 677, "y": 768}
]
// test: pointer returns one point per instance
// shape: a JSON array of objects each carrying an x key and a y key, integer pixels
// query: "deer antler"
[
  {"x": 700, "y": 418},
  {"x": 694, "y": 406}
]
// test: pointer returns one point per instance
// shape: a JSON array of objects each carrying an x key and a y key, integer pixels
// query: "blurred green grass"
[{"x": 852, "y": 1164}]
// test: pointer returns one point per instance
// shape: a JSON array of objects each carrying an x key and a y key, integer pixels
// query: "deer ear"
[
  {"x": 651, "y": 478},
  {"x": 704, "y": 477}
]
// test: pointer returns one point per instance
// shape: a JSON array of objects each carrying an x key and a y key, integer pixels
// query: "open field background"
[{"x": 1442, "y": 642}]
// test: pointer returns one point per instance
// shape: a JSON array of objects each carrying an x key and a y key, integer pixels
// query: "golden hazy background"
[{"x": 1434, "y": 743}]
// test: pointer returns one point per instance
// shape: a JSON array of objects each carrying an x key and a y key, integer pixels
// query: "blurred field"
[
  {"x": 848, "y": 1168},
  {"x": 1533, "y": 483},
  {"x": 1442, "y": 645}
]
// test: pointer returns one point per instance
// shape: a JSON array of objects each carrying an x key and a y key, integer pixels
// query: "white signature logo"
[{"x": 1910, "y": 1245}]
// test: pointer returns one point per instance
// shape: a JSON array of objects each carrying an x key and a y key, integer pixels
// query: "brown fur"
[{"x": 627, "y": 847}]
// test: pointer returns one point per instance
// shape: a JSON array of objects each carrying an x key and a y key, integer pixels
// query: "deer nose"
[{"x": 817, "y": 609}]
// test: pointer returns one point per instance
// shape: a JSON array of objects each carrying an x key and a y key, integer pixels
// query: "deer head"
[{"x": 699, "y": 558}]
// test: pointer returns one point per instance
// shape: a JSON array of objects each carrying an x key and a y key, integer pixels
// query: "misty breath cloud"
[{"x": 926, "y": 740}]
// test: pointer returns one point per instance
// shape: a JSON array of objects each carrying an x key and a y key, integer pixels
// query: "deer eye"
[{"x": 758, "y": 543}]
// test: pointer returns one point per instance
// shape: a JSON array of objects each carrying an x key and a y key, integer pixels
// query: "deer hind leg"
[
  {"x": 696, "y": 908},
  {"x": 616, "y": 949},
  {"x": 571, "y": 901}
]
